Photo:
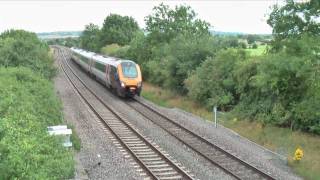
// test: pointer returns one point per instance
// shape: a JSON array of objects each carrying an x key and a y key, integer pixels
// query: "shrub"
[
  {"x": 110, "y": 49},
  {"x": 284, "y": 91},
  {"x": 254, "y": 46},
  {"x": 213, "y": 82},
  {"x": 28, "y": 105},
  {"x": 21, "y": 48}
]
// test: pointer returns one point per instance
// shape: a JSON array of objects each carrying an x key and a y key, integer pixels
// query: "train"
[{"x": 120, "y": 75}]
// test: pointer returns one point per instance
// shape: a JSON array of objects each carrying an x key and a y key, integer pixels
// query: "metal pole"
[{"x": 215, "y": 115}]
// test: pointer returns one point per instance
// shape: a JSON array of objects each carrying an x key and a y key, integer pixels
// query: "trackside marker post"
[{"x": 215, "y": 115}]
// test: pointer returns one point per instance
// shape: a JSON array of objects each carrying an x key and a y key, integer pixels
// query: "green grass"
[
  {"x": 76, "y": 141},
  {"x": 280, "y": 140},
  {"x": 259, "y": 51},
  {"x": 28, "y": 106}
]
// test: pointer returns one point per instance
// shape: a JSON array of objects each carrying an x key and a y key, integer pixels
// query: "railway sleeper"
[
  {"x": 147, "y": 156},
  {"x": 168, "y": 173},
  {"x": 171, "y": 178},
  {"x": 145, "y": 153},
  {"x": 142, "y": 150},
  {"x": 136, "y": 143},
  {"x": 155, "y": 170},
  {"x": 155, "y": 162},
  {"x": 158, "y": 165},
  {"x": 152, "y": 159},
  {"x": 139, "y": 148}
]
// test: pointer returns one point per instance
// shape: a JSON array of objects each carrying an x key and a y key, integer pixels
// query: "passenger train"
[{"x": 121, "y": 76}]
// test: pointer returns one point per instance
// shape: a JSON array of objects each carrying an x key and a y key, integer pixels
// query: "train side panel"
[
  {"x": 82, "y": 61},
  {"x": 99, "y": 70},
  {"x": 108, "y": 79}
]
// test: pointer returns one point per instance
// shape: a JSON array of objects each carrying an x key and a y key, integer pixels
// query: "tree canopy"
[
  {"x": 295, "y": 18},
  {"x": 118, "y": 29},
  {"x": 89, "y": 38},
  {"x": 165, "y": 24},
  {"x": 23, "y": 48}
]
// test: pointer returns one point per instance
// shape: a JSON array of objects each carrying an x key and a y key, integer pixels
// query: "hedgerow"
[
  {"x": 28, "y": 105},
  {"x": 22, "y": 48}
]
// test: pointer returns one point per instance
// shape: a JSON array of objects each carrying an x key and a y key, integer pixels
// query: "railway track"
[
  {"x": 156, "y": 164},
  {"x": 216, "y": 155}
]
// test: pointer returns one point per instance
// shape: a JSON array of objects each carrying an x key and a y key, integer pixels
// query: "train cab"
[{"x": 130, "y": 78}]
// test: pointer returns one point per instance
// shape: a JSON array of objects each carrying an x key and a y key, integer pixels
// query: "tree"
[
  {"x": 179, "y": 58},
  {"x": 164, "y": 24},
  {"x": 213, "y": 82},
  {"x": 20, "y": 35},
  {"x": 294, "y": 19},
  {"x": 89, "y": 38},
  {"x": 254, "y": 46},
  {"x": 251, "y": 38},
  {"x": 118, "y": 29},
  {"x": 22, "y": 48}
]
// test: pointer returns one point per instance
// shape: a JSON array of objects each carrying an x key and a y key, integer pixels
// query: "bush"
[
  {"x": 28, "y": 105},
  {"x": 213, "y": 82},
  {"x": 172, "y": 62},
  {"x": 21, "y": 48},
  {"x": 282, "y": 90},
  {"x": 110, "y": 50},
  {"x": 254, "y": 46}
]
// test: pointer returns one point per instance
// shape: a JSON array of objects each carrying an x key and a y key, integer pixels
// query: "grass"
[
  {"x": 280, "y": 140},
  {"x": 259, "y": 51},
  {"x": 75, "y": 139}
]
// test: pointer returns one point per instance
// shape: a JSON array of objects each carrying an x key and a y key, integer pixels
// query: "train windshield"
[{"x": 129, "y": 69}]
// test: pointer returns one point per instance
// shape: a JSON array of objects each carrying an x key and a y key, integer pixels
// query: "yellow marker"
[{"x": 298, "y": 154}]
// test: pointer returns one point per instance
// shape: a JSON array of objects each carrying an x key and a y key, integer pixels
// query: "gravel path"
[{"x": 98, "y": 157}]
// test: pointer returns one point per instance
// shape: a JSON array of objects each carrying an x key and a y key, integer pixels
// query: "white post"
[{"x": 215, "y": 115}]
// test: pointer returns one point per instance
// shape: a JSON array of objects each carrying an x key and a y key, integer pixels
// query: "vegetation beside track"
[
  {"x": 281, "y": 140},
  {"x": 178, "y": 52},
  {"x": 276, "y": 89},
  {"x": 28, "y": 104}
]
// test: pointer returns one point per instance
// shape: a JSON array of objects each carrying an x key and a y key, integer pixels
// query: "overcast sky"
[{"x": 46, "y": 16}]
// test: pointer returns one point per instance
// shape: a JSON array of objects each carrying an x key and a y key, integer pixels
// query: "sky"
[{"x": 247, "y": 16}]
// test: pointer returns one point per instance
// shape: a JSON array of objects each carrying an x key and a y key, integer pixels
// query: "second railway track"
[
  {"x": 155, "y": 163},
  {"x": 213, "y": 153}
]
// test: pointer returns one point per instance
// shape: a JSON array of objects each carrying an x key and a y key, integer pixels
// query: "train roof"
[{"x": 100, "y": 58}]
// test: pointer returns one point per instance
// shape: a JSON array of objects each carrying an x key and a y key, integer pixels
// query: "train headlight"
[
  {"x": 123, "y": 84},
  {"x": 139, "y": 84}
]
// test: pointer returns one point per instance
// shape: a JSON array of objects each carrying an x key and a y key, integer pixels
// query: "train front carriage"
[{"x": 130, "y": 78}]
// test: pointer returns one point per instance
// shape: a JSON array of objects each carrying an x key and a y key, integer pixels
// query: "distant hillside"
[
  {"x": 59, "y": 34},
  {"x": 226, "y": 33}
]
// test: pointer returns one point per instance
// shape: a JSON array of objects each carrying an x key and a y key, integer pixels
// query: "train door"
[
  {"x": 107, "y": 75},
  {"x": 91, "y": 63},
  {"x": 112, "y": 77}
]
